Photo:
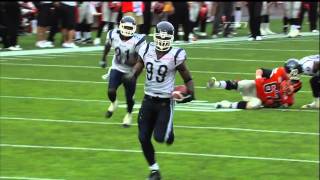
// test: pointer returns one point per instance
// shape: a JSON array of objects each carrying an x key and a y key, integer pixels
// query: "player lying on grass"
[
  {"x": 310, "y": 67},
  {"x": 126, "y": 44},
  {"x": 271, "y": 88}
]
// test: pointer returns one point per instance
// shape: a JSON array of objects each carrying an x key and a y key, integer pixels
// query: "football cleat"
[
  {"x": 127, "y": 120},
  {"x": 113, "y": 106},
  {"x": 96, "y": 41},
  {"x": 313, "y": 105},
  {"x": 211, "y": 82},
  {"x": 154, "y": 175}
]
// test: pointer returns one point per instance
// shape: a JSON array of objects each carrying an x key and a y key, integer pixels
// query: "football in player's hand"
[{"x": 179, "y": 92}]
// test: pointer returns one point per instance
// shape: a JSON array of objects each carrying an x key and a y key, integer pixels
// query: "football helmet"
[
  {"x": 293, "y": 68},
  {"x": 127, "y": 26},
  {"x": 163, "y": 36}
]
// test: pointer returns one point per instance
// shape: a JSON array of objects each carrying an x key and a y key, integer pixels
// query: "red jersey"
[{"x": 268, "y": 89}]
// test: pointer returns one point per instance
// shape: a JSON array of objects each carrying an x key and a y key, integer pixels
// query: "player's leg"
[
  {"x": 315, "y": 86},
  {"x": 130, "y": 88},
  {"x": 114, "y": 83},
  {"x": 294, "y": 26},
  {"x": 246, "y": 89},
  {"x": 163, "y": 131},
  {"x": 225, "y": 84},
  {"x": 146, "y": 122}
]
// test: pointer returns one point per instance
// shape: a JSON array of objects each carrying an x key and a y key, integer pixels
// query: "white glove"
[{"x": 106, "y": 76}]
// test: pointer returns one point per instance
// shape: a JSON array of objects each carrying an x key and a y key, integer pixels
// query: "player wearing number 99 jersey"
[
  {"x": 161, "y": 62},
  {"x": 126, "y": 44}
]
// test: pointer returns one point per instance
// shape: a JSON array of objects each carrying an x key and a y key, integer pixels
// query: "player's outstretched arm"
[
  {"x": 103, "y": 62},
  {"x": 186, "y": 76}
]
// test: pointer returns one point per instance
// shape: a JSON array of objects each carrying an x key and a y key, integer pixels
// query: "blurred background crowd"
[{"x": 83, "y": 22}]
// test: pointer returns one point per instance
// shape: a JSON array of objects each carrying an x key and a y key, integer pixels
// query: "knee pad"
[{"x": 254, "y": 103}]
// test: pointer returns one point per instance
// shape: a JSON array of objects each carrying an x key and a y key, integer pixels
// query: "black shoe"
[
  {"x": 108, "y": 114},
  {"x": 170, "y": 139},
  {"x": 87, "y": 41},
  {"x": 154, "y": 175}
]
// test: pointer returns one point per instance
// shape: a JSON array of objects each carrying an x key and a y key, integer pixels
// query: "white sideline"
[
  {"x": 91, "y": 82},
  {"x": 166, "y": 153},
  {"x": 100, "y": 48},
  {"x": 26, "y": 178},
  {"x": 196, "y": 58},
  {"x": 176, "y": 126},
  {"x": 180, "y": 107},
  {"x": 252, "y": 49}
]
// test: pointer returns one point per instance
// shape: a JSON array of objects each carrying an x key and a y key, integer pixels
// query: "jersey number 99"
[{"x": 162, "y": 72}]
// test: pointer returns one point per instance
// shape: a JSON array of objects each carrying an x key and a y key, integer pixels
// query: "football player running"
[
  {"x": 271, "y": 88},
  {"x": 161, "y": 61},
  {"x": 126, "y": 44},
  {"x": 310, "y": 67}
]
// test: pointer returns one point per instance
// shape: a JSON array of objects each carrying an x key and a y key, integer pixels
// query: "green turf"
[{"x": 60, "y": 106}]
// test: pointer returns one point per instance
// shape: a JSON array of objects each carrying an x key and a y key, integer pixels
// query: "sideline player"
[
  {"x": 310, "y": 67},
  {"x": 161, "y": 61},
  {"x": 126, "y": 44}
]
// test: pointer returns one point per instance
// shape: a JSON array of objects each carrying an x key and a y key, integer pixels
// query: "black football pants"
[{"x": 155, "y": 117}]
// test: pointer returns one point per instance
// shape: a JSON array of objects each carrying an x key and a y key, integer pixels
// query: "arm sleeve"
[
  {"x": 140, "y": 43},
  {"x": 142, "y": 51},
  {"x": 180, "y": 57}
]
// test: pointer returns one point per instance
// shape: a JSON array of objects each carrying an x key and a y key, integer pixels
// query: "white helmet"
[
  {"x": 127, "y": 26},
  {"x": 163, "y": 36}
]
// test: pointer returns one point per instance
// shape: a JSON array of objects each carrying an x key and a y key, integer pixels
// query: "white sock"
[
  {"x": 237, "y": 16},
  {"x": 87, "y": 35},
  {"x": 34, "y": 26},
  {"x": 78, "y": 35},
  {"x": 234, "y": 105},
  {"x": 154, "y": 166},
  {"x": 220, "y": 84}
]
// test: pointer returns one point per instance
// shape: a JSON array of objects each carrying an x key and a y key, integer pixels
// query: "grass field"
[{"x": 53, "y": 126}]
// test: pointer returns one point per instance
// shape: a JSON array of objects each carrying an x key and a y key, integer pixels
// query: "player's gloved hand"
[
  {"x": 186, "y": 98},
  {"x": 107, "y": 75},
  {"x": 103, "y": 64}
]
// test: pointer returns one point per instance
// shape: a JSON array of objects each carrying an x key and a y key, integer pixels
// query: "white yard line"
[
  {"x": 100, "y": 48},
  {"x": 159, "y": 152},
  {"x": 97, "y": 82},
  {"x": 176, "y": 126},
  {"x": 26, "y": 178},
  {"x": 178, "y": 107}
]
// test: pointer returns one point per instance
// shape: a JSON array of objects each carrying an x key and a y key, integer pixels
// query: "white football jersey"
[
  {"x": 307, "y": 64},
  {"x": 125, "y": 52},
  {"x": 160, "y": 73}
]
